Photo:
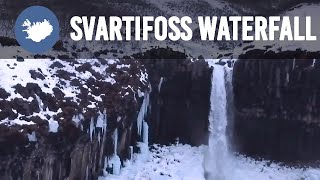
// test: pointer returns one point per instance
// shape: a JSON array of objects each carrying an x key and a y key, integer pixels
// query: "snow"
[
  {"x": 164, "y": 162},
  {"x": 123, "y": 66},
  {"x": 184, "y": 162},
  {"x": 160, "y": 84},
  {"x": 32, "y": 137},
  {"x": 301, "y": 11},
  {"x": 53, "y": 126},
  {"x": 143, "y": 76},
  {"x": 92, "y": 128},
  {"x": 247, "y": 169},
  {"x": 16, "y": 121},
  {"x": 13, "y": 73},
  {"x": 115, "y": 140},
  {"x": 115, "y": 163},
  {"x": 102, "y": 121}
]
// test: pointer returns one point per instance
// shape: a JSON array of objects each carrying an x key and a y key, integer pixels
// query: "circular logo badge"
[{"x": 37, "y": 29}]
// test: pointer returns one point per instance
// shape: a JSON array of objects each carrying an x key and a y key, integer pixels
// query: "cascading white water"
[{"x": 218, "y": 159}]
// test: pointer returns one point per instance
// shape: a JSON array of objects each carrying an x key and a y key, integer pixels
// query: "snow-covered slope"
[
  {"x": 62, "y": 81},
  {"x": 68, "y": 113}
]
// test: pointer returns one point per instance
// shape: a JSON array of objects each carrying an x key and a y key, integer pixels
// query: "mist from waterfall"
[{"x": 217, "y": 161}]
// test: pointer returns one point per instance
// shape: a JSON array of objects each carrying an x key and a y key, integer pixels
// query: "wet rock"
[{"x": 179, "y": 98}]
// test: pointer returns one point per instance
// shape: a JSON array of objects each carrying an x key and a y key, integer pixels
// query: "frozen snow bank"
[
  {"x": 249, "y": 169},
  {"x": 183, "y": 162},
  {"x": 164, "y": 162}
]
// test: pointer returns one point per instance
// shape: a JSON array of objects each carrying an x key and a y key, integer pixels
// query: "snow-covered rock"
[{"x": 61, "y": 116}]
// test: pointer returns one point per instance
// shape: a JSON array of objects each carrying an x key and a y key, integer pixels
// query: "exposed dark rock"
[
  {"x": 277, "y": 108},
  {"x": 20, "y": 59},
  {"x": 3, "y": 94},
  {"x": 69, "y": 153},
  {"x": 180, "y": 103},
  {"x": 36, "y": 75},
  {"x": 59, "y": 47},
  {"x": 6, "y": 41},
  {"x": 56, "y": 64}
]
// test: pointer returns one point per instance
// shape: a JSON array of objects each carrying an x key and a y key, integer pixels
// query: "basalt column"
[
  {"x": 277, "y": 109},
  {"x": 180, "y": 101}
]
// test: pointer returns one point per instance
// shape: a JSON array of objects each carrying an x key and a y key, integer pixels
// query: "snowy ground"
[
  {"x": 183, "y": 162},
  {"x": 164, "y": 163}
]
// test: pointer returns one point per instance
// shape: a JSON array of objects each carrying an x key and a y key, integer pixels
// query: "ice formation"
[{"x": 218, "y": 161}]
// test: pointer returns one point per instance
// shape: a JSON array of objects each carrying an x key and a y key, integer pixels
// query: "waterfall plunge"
[{"x": 218, "y": 158}]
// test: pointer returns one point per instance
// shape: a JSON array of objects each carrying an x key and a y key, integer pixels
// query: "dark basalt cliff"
[
  {"x": 180, "y": 97},
  {"x": 79, "y": 146},
  {"x": 277, "y": 102},
  {"x": 179, "y": 101}
]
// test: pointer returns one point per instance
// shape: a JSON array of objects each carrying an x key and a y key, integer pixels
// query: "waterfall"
[{"x": 218, "y": 158}]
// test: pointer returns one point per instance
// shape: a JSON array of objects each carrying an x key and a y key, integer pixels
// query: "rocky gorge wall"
[
  {"x": 180, "y": 102},
  {"x": 277, "y": 108},
  {"x": 62, "y": 118}
]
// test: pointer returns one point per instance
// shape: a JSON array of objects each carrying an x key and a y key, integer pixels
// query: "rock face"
[
  {"x": 277, "y": 113},
  {"x": 180, "y": 97},
  {"x": 61, "y": 118},
  {"x": 180, "y": 102}
]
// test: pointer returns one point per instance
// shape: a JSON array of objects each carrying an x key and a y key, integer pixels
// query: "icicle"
[
  {"x": 145, "y": 133},
  {"x": 100, "y": 120},
  {"x": 105, "y": 121},
  {"x": 40, "y": 104},
  {"x": 99, "y": 138},
  {"x": 92, "y": 128},
  {"x": 160, "y": 83},
  {"x": 87, "y": 173},
  {"x": 131, "y": 152},
  {"x": 105, "y": 173},
  {"x": 142, "y": 113},
  {"x": 115, "y": 140},
  {"x": 293, "y": 64},
  {"x": 114, "y": 161},
  {"x": 314, "y": 62}
]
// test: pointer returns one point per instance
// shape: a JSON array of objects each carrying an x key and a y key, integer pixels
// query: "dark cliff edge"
[
  {"x": 277, "y": 104},
  {"x": 180, "y": 97}
]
